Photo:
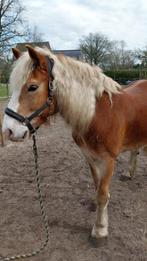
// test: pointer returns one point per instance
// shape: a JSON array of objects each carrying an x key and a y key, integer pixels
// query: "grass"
[{"x": 3, "y": 90}]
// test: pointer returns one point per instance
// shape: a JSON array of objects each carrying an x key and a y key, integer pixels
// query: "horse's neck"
[
  {"x": 76, "y": 101},
  {"x": 77, "y": 85}
]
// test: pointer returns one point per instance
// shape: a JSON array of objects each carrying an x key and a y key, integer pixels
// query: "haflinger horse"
[{"x": 105, "y": 119}]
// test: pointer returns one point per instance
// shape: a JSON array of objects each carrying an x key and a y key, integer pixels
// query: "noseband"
[{"x": 27, "y": 120}]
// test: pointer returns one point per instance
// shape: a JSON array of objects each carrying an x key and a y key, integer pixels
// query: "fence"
[
  {"x": 4, "y": 95},
  {"x": 1, "y": 134}
]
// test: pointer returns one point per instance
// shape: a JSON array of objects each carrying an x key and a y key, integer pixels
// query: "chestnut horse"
[{"x": 105, "y": 119}]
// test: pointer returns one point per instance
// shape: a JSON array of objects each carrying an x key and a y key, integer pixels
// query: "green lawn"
[{"x": 3, "y": 90}]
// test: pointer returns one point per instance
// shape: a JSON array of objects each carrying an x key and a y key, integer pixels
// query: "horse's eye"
[{"x": 32, "y": 88}]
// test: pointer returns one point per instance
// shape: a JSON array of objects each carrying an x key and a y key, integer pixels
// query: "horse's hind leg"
[
  {"x": 92, "y": 204},
  {"x": 100, "y": 228},
  {"x": 133, "y": 163},
  {"x": 94, "y": 175}
]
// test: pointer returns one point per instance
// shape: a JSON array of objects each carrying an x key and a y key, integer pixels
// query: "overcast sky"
[{"x": 63, "y": 22}]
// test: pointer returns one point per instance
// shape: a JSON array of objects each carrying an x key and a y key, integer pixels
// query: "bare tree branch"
[
  {"x": 94, "y": 48},
  {"x": 33, "y": 34},
  {"x": 10, "y": 23},
  {"x": 98, "y": 49}
]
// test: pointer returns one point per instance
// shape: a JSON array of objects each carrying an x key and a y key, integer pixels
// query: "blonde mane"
[{"x": 76, "y": 86}]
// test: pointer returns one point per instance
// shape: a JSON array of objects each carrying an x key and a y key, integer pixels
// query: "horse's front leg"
[{"x": 100, "y": 228}]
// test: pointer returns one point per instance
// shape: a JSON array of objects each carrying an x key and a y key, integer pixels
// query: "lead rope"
[{"x": 43, "y": 214}]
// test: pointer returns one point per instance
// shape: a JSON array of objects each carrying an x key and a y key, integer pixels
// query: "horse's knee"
[{"x": 103, "y": 196}]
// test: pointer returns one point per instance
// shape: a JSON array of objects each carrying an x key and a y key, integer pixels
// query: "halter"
[{"x": 27, "y": 120}]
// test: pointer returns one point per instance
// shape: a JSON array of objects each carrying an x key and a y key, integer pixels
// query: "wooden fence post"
[{"x": 1, "y": 133}]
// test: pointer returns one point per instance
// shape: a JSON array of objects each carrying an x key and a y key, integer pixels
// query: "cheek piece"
[{"x": 26, "y": 121}]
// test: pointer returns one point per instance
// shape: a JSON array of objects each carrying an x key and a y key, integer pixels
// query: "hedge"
[{"x": 123, "y": 76}]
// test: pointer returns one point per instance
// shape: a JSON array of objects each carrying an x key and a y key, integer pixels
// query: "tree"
[
  {"x": 120, "y": 57},
  {"x": 33, "y": 35},
  {"x": 94, "y": 48},
  {"x": 10, "y": 23},
  {"x": 5, "y": 68},
  {"x": 142, "y": 57}
]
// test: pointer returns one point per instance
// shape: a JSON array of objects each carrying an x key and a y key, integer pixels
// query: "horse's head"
[{"x": 29, "y": 82}]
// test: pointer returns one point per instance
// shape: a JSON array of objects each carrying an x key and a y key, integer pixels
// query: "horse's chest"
[
  {"x": 98, "y": 163},
  {"x": 91, "y": 145},
  {"x": 94, "y": 157}
]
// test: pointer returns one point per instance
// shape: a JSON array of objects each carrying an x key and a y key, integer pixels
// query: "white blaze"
[{"x": 9, "y": 123}]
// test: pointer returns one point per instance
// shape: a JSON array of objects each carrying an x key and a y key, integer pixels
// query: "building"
[
  {"x": 5, "y": 67},
  {"x": 76, "y": 54},
  {"x": 22, "y": 48}
]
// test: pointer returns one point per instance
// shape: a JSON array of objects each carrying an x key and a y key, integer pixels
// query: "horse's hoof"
[
  {"x": 125, "y": 178},
  {"x": 98, "y": 242},
  {"x": 92, "y": 206}
]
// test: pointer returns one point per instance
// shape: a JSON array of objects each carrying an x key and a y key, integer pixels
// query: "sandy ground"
[{"x": 66, "y": 182}]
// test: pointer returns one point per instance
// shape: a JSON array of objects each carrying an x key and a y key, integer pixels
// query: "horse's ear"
[
  {"x": 16, "y": 53},
  {"x": 33, "y": 54}
]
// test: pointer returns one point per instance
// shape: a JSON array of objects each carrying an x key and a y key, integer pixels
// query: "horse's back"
[
  {"x": 122, "y": 124},
  {"x": 135, "y": 99},
  {"x": 136, "y": 87}
]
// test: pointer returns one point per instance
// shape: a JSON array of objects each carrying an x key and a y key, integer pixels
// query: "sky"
[{"x": 64, "y": 22}]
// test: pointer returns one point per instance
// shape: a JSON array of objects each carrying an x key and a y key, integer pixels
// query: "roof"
[
  {"x": 22, "y": 48},
  {"x": 70, "y": 53}
]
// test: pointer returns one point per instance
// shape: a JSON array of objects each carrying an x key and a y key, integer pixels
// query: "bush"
[
  {"x": 5, "y": 68},
  {"x": 122, "y": 76}
]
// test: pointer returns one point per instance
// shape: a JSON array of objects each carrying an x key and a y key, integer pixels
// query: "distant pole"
[
  {"x": 7, "y": 87},
  {"x": 1, "y": 133}
]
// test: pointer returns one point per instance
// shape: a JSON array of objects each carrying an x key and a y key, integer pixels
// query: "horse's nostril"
[
  {"x": 9, "y": 133},
  {"x": 25, "y": 134},
  {"x": 18, "y": 136}
]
